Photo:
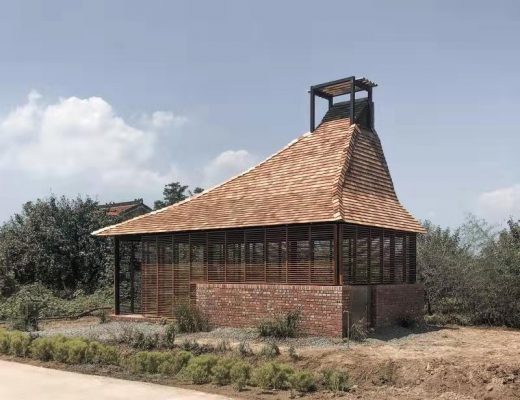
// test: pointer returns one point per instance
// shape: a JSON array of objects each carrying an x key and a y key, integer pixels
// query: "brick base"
[
  {"x": 390, "y": 303},
  {"x": 244, "y": 305},
  {"x": 324, "y": 309}
]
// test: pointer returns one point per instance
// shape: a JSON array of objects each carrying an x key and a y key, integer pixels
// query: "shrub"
[
  {"x": 221, "y": 371},
  {"x": 281, "y": 327},
  {"x": 76, "y": 349},
  {"x": 194, "y": 347},
  {"x": 150, "y": 362},
  {"x": 103, "y": 316},
  {"x": 292, "y": 353},
  {"x": 41, "y": 348},
  {"x": 223, "y": 346},
  {"x": 190, "y": 319},
  {"x": 145, "y": 341},
  {"x": 303, "y": 381},
  {"x": 270, "y": 350},
  {"x": 15, "y": 343},
  {"x": 240, "y": 374},
  {"x": 273, "y": 376},
  {"x": 200, "y": 368},
  {"x": 244, "y": 349},
  {"x": 173, "y": 365},
  {"x": 99, "y": 353},
  {"x": 169, "y": 336},
  {"x": 336, "y": 380},
  {"x": 358, "y": 331}
]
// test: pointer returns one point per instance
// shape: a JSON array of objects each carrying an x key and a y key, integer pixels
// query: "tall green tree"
[
  {"x": 175, "y": 192},
  {"x": 50, "y": 242}
]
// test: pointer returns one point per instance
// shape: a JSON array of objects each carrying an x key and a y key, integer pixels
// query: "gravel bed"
[{"x": 116, "y": 331}]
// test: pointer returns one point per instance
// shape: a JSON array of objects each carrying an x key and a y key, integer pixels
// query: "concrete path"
[{"x": 22, "y": 381}]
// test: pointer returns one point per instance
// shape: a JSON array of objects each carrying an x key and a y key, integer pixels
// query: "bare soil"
[{"x": 450, "y": 363}]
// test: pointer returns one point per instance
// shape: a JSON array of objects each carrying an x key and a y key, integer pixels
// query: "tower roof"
[{"x": 336, "y": 173}]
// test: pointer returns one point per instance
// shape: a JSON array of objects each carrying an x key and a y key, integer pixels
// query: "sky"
[{"x": 114, "y": 99}]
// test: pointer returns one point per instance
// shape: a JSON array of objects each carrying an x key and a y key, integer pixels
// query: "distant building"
[{"x": 126, "y": 209}]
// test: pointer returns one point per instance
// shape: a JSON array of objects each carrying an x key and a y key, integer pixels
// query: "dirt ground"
[{"x": 448, "y": 363}]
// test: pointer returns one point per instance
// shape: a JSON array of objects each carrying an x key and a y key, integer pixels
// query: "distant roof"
[
  {"x": 117, "y": 209},
  {"x": 336, "y": 173}
]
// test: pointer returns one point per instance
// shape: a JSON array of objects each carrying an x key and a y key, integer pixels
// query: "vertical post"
[
  {"x": 352, "y": 99},
  {"x": 370, "y": 108},
  {"x": 338, "y": 254},
  {"x": 132, "y": 278},
  {"x": 310, "y": 254},
  {"x": 286, "y": 254},
  {"x": 331, "y": 102},
  {"x": 117, "y": 308},
  {"x": 313, "y": 109}
]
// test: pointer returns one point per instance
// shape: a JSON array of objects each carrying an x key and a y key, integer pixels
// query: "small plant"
[
  {"x": 200, "y": 368},
  {"x": 222, "y": 371},
  {"x": 76, "y": 349},
  {"x": 223, "y": 346},
  {"x": 19, "y": 344},
  {"x": 336, "y": 380},
  {"x": 98, "y": 353},
  {"x": 190, "y": 319},
  {"x": 273, "y": 376},
  {"x": 282, "y": 327},
  {"x": 26, "y": 316},
  {"x": 103, "y": 316},
  {"x": 292, "y": 354},
  {"x": 270, "y": 350},
  {"x": 358, "y": 331},
  {"x": 149, "y": 362},
  {"x": 240, "y": 374},
  {"x": 169, "y": 336},
  {"x": 244, "y": 349},
  {"x": 194, "y": 347},
  {"x": 303, "y": 381},
  {"x": 386, "y": 373}
]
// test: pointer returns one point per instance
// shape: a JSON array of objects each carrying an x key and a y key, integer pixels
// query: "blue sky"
[{"x": 114, "y": 99}]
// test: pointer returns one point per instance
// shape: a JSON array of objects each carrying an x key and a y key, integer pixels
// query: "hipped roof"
[{"x": 336, "y": 173}]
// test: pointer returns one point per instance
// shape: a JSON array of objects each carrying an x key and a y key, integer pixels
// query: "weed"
[
  {"x": 292, "y": 354},
  {"x": 169, "y": 336},
  {"x": 358, "y": 331},
  {"x": 281, "y": 327},
  {"x": 223, "y": 346},
  {"x": 273, "y": 376},
  {"x": 200, "y": 368},
  {"x": 244, "y": 349},
  {"x": 221, "y": 371},
  {"x": 303, "y": 381},
  {"x": 336, "y": 380},
  {"x": 190, "y": 319},
  {"x": 270, "y": 350},
  {"x": 240, "y": 374}
]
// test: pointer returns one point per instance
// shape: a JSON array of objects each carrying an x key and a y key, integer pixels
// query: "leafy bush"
[
  {"x": 14, "y": 343},
  {"x": 223, "y": 346},
  {"x": 149, "y": 362},
  {"x": 244, "y": 349},
  {"x": 358, "y": 331},
  {"x": 336, "y": 380},
  {"x": 270, "y": 350},
  {"x": 99, "y": 353},
  {"x": 173, "y": 365},
  {"x": 190, "y": 319},
  {"x": 292, "y": 354},
  {"x": 73, "y": 351},
  {"x": 35, "y": 302},
  {"x": 221, "y": 371},
  {"x": 282, "y": 327},
  {"x": 194, "y": 347},
  {"x": 303, "y": 381},
  {"x": 169, "y": 336},
  {"x": 200, "y": 368},
  {"x": 273, "y": 376},
  {"x": 240, "y": 374}
]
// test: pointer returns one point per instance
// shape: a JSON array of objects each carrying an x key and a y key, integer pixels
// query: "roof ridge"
[
  {"x": 337, "y": 189},
  {"x": 287, "y": 146}
]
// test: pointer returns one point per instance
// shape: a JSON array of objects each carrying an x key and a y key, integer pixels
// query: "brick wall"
[
  {"x": 244, "y": 305},
  {"x": 392, "y": 302}
]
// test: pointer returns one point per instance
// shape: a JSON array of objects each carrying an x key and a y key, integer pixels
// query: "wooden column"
[{"x": 117, "y": 307}]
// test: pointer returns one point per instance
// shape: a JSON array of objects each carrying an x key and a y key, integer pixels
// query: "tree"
[
  {"x": 175, "y": 192},
  {"x": 50, "y": 242}
]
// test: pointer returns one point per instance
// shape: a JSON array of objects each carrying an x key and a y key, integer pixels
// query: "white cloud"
[
  {"x": 500, "y": 204},
  {"x": 163, "y": 119},
  {"x": 80, "y": 139},
  {"x": 226, "y": 165}
]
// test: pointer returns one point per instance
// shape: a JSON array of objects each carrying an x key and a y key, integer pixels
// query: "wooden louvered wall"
[
  {"x": 164, "y": 269},
  {"x": 377, "y": 256}
]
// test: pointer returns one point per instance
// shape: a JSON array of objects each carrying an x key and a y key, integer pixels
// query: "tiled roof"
[
  {"x": 336, "y": 173},
  {"x": 117, "y": 209}
]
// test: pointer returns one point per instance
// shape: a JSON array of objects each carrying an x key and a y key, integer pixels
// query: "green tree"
[
  {"x": 50, "y": 242},
  {"x": 175, "y": 192}
]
